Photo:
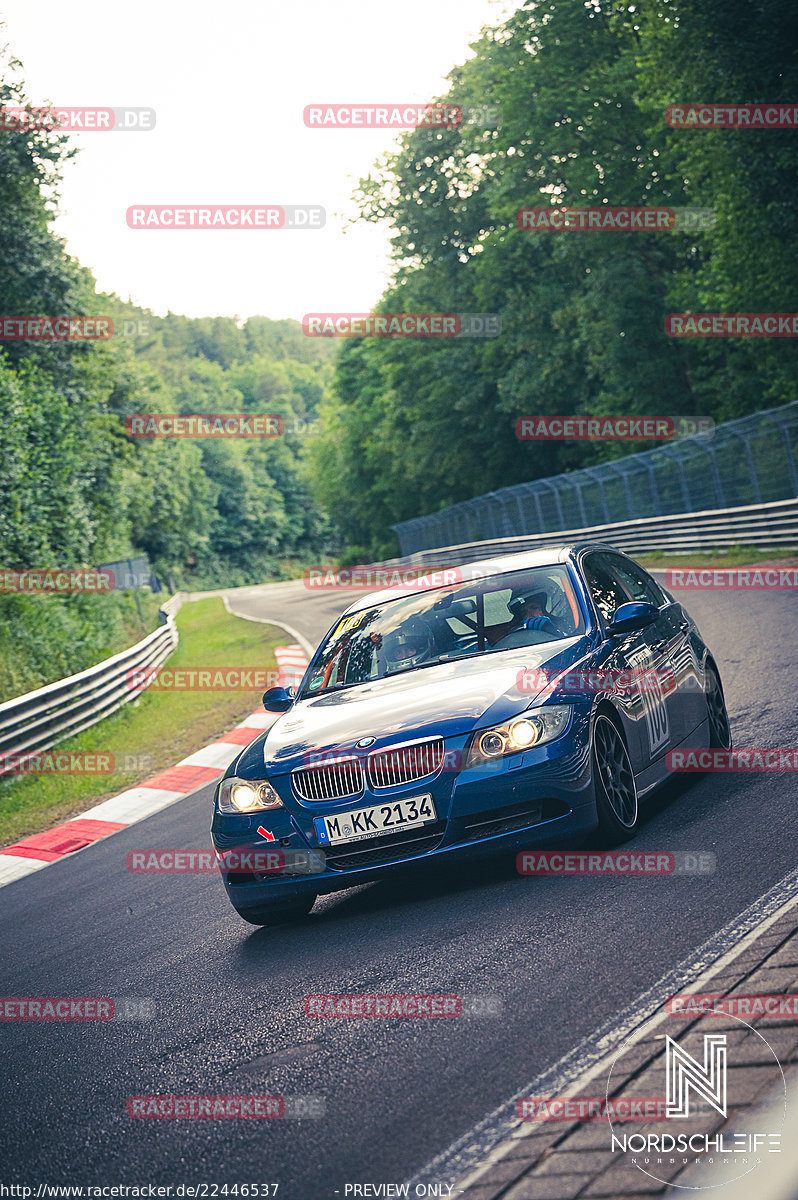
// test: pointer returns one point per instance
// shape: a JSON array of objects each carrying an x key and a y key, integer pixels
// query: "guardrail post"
[
  {"x": 595, "y": 473},
  {"x": 784, "y": 430},
  {"x": 749, "y": 458}
]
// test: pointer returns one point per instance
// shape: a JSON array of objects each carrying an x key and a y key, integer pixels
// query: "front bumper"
[{"x": 518, "y": 802}]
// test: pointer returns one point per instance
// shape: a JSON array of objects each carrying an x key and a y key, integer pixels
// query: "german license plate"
[{"x": 363, "y": 823}]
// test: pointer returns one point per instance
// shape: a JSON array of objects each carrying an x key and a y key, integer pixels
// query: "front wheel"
[
  {"x": 614, "y": 784},
  {"x": 279, "y": 912}
]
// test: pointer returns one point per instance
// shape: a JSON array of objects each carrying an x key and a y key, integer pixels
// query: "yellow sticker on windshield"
[{"x": 348, "y": 623}]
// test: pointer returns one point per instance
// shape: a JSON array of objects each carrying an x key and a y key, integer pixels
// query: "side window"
[
  {"x": 464, "y": 618},
  {"x": 457, "y": 626},
  {"x": 496, "y": 610},
  {"x": 605, "y": 589},
  {"x": 637, "y": 582}
]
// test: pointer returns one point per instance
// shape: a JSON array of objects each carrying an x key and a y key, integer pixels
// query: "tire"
[
  {"x": 720, "y": 736},
  {"x": 278, "y": 913},
  {"x": 613, "y": 784}
]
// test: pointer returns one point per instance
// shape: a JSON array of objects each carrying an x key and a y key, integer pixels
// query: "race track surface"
[{"x": 561, "y": 954}]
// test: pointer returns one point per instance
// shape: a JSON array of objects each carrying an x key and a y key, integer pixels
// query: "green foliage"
[
  {"x": 411, "y": 426},
  {"x": 77, "y": 490},
  {"x": 44, "y": 638}
]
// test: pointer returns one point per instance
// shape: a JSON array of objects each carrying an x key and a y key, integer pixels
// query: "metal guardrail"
[
  {"x": 757, "y": 525},
  {"x": 171, "y": 606},
  {"x": 39, "y": 720},
  {"x": 750, "y": 461}
]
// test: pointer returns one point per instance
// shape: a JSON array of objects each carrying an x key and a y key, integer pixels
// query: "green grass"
[
  {"x": 735, "y": 556},
  {"x": 135, "y": 629},
  {"x": 161, "y": 726}
]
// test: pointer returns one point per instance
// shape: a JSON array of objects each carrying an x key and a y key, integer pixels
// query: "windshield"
[{"x": 502, "y": 612}]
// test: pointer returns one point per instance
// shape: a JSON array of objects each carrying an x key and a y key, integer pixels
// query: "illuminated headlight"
[
  {"x": 244, "y": 796},
  {"x": 530, "y": 729}
]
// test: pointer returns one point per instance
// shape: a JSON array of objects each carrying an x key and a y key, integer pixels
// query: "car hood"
[{"x": 448, "y": 700}]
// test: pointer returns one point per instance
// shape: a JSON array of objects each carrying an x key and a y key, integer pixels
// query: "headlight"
[
  {"x": 530, "y": 729},
  {"x": 244, "y": 795}
]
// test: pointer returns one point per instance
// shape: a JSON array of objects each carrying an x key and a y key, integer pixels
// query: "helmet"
[
  {"x": 533, "y": 593},
  {"x": 411, "y": 643}
]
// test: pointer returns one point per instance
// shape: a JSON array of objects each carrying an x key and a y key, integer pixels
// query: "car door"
[
  {"x": 667, "y": 642},
  {"x": 686, "y": 705},
  {"x": 646, "y": 707}
]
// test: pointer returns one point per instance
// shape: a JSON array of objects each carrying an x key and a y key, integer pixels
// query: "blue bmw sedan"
[{"x": 524, "y": 700}]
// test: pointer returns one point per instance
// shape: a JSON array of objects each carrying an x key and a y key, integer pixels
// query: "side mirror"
[
  {"x": 278, "y": 699},
  {"x": 632, "y": 617}
]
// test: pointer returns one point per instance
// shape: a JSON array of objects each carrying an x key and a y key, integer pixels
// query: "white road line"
[
  {"x": 13, "y": 866},
  {"x": 258, "y": 722},
  {"x": 279, "y": 622},
  {"x": 472, "y": 1153},
  {"x": 133, "y": 805},
  {"x": 217, "y": 754}
]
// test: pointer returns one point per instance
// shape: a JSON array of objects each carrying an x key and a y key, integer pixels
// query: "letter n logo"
[{"x": 684, "y": 1072}]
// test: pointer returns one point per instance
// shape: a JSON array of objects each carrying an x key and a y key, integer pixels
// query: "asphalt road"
[{"x": 562, "y": 955}]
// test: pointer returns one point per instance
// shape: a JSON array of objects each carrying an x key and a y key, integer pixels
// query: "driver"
[
  {"x": 528, "y": 606},
  {"x": 410, "y": 644}
]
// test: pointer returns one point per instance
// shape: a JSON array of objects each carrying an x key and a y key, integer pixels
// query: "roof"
[{"x": 546, "y": 556}]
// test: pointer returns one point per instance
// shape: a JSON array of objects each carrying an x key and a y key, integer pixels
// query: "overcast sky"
[{"x": 229, "y": 81}]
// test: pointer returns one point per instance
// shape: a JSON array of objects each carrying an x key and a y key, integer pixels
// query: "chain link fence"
[{"x": 748, "y": 461}]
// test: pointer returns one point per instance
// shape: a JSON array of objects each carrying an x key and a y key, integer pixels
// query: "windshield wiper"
[
  {"x": 334, "y": 687},
  {"x": 434, "y": 662}
]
